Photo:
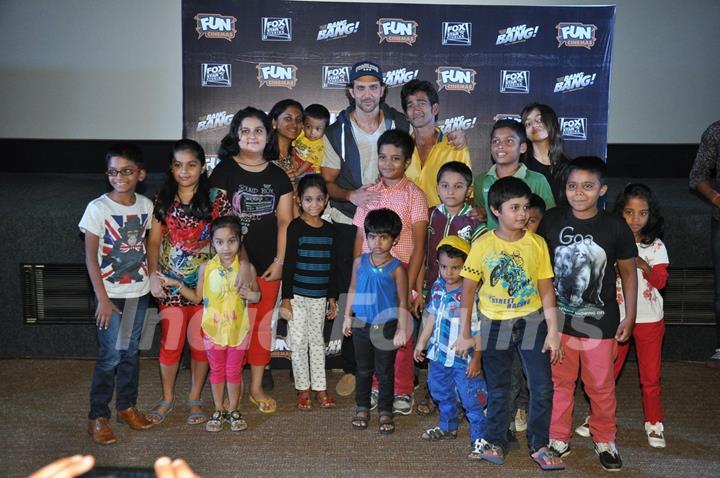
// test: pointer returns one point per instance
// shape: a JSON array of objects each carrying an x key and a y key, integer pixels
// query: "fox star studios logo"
[
  {"x": 515, "y": 81},
  {"x": 216, "y": 74},
  {"x": 576, "y": 34},
  {"x": 214, "y": 25},
  {"x": 455, "y": 78},
  {"x": 457, "y": 33},
  {"x": 337, "y": 29},
  {"x": 276, "y": 29},
  {"x": 397, "y": 30},
  {"x": 574, "y": 128},
  {"x": 574, "y": 82},
  {"x": 335, "y": 77},
  {"x": 277, "y": 75},
  {"x": 516, "y": 34},
  {"x": 399, "y": 77},
  {"x": 221, "y": 119}
]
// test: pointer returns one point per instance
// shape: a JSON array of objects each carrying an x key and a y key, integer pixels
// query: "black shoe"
[
  {"x": 511, "y": 439},
  {"x": 609, "y": 456},
  {"x": 267, "y": 381}
]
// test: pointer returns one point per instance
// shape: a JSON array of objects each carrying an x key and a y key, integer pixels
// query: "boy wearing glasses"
[{"x": 115, "y": 225}]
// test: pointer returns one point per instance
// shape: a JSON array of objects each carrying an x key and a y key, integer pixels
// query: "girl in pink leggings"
[{"x": 225, "y": 324}]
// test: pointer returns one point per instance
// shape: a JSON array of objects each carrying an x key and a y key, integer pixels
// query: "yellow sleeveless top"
[{"x": 225, "y": 318}]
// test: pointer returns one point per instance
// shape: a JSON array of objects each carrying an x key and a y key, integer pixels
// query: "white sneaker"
[
  {"x": 584, "y": 429},
  {"x": 714, "y": 361},
  {"x": 560, "y": 448},
  {"x": 521, "y": 420},
  {"x": 654, "y": 433}
]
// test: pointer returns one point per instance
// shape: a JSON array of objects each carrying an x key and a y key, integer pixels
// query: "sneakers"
[
  {"x": 560, "y": 448},
  {"x": 714, "y": 361},
  {"x": 521, "y": 420},
  {"x": 609, "y": 456},
  {"x": 403, "y": 404},
  {"x": 486, "y": 451},
  {"x": 374, "y": 397},
  {"x": 654, "y": 432},
  {"x": 584, "y": 429}
]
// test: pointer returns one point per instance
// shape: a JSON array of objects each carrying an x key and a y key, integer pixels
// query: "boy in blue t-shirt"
[{"x": 448, "y": 372}]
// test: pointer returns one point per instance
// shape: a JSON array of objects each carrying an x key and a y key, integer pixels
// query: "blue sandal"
[
  {"x": 195, "y": 418},
  {"x": 156, "y": 416}
]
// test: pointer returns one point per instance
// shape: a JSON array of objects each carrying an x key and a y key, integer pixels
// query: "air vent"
[
  {"x": 56, "y": 294},
  {"x": 689, "y": 297}
]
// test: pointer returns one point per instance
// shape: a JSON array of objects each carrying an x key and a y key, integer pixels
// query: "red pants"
[
  {"x": 594, "y": 359},
  {"x": 226, "y": 363},
  {"x": 176, "y": 323},
  {"x": 261, "y": 322},
  {"x": 404, "y": 370},
  {"x": 648, "y": 347}
]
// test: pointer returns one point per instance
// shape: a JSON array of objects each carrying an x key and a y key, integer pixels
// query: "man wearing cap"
[{"x": 350, "y": 165}]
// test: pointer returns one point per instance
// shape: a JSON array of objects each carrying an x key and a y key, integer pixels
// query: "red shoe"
[
  {"x": 304, "y": 402},
  {"x": 324, "y": 400}
]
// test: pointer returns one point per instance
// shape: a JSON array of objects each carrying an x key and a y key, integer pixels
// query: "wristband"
[{"x": 278, "y": 261}]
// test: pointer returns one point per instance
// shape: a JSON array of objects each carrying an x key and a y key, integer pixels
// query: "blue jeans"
[
  {"x": 118, "y": 358},
  {"x": 500, "y": 339},
  {"x": 715, "y": 249},
  {"x": 443, "y": 382}
]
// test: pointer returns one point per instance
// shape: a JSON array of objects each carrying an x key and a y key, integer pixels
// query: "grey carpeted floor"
[{"x": 43, "y": 405}]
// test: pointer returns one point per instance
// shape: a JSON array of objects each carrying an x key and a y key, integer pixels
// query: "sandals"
[
  {"x": 543, "y": 456},
  {"x": 426, "y": 406},
  {"x": 237, "y": 422},
  {"x": 324, "y": 400},
  {"x": 486, "y": 451},
  {"x": 215, "y": 423},
  {"x": 361, "y": 418},
  {"x": 265, "y": 405},
  {"x": 386, "y": 424},
  {"x": 437, "y": 433},
  {"x": 156, "y": 416},
  {"x": 195, "y": 418},
  {"x": 303, "y": 402}
]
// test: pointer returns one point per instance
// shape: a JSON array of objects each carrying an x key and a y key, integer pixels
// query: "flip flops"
[
  {"x": 195, "y": 418},
  {"x": 265, "y": 405},
  {"x": 542, "y": 456},
  {"x": 156, "y": 416}
]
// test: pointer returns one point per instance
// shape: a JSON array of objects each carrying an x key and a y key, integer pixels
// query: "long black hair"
[
  {"x": 199, "y": 207},
  {"x": 655, "y": 227},
  {"x": 229, "y": 146},
  {"x": 273, "y": 141},
  {"x": 558, "y": 159}
]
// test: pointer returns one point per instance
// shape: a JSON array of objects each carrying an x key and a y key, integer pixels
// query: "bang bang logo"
[
  {"x": 573, "y": 34},
  {"x": 335, "y": 77},
  {"x": 574, "y": 82},
  {"x": 454, "y": 78},
  {"x": 214, "y": 25},
  {"x": 516, "y": 34},
  {"x": 337, "y": 29},
  {"x": 276, "y": 29},
  {"x": 457, "y": 123},
  {"x": 457, "y": 33},
  {"x": 216, "y": 74},
  {"x": 397, "y": 30},
  {"x": 277, "y": 75},
  {"x": 574, "y": 128},
  {"x": 399, "y": 77},
  {"x": 514, "y": 81},
  {"x": 221, "y": 119}
]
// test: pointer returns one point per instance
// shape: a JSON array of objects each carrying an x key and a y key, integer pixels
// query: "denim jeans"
[
  {"x": 518, "y": 390},
  {"x": 715, "y": 249},
  {"x": 374, "y": 352},
  {"x": 118, "y": 358},
  {"x": 500, "y": 339}
]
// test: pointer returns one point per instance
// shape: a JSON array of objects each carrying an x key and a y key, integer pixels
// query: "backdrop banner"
[{"x": 487, "y": 62}]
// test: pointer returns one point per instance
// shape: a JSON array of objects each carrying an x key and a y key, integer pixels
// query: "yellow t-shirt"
[
  {"x": 509, "y": 272},
  {"x": 310, "y": 151},
  {"x": 425, "y": 177},
  {"x": 225, "y": 319}
]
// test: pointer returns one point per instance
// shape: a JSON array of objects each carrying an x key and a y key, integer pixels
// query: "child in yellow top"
[
  {"x": 225, "y": 323},
  {"x": 309, "y": 151}
]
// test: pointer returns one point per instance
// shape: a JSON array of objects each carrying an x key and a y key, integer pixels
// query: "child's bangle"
[{"x": 278, "y": 261}]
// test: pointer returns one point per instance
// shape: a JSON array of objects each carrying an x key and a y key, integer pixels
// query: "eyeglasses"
[{"x": 121, "y": 172}]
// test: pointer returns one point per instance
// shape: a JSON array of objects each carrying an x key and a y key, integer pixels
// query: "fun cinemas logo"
[
  {"x": 457, "y": 33},
  {"x": 277, "y": 75},
  {"x": 335, "y": 77},
  {"x": 574, "y": 82},
  {"x": 337, "y": 29},
  {"x": 276, "y": 29},
  {"x": 576, "y": 34},
  {"x": 214, "y": 25},
  {"x": 515, "y": 81},
  {"x": 455, "y": 78},
  {"x": 574, "y": 128},
  {"x": 397, "y": 30},
  {"x": 399, "y": 76},
  {"x": 456, "y": 123},
  {"x": 216, "y": 74},
  {"x": 516, "y": 34},
  {"x": 510, "y": 116},
  {"x": 220, "y": 119}
]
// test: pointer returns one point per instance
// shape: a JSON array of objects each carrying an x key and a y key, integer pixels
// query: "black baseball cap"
[{"x": 365, "y": 68}]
